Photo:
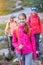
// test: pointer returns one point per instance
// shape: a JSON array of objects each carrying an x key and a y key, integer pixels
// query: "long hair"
[{"x": 26, "y": 29}]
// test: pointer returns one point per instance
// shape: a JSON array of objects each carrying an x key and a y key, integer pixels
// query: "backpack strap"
[
  {"x": 31, "y": 17},
  {"x": 9, "y": 24},
  {"x": 16, "y": 32}
]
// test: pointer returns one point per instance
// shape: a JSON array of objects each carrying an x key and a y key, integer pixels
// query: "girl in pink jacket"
[{"x": 25, "y": 41}]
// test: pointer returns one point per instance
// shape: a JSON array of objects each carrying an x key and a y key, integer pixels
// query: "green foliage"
[
  {"x": 1, "y": 58},
  {"x": 33, "y": 3},
  {"x": 9, "y": 11},
  {"x": 25, "y": 2},
  {"x": 2, "y": 33},
  {"x": 6, "y": 7},
  {"x": 2, "y": 26}
]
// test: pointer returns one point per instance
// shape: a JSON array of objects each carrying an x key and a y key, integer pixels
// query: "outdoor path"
[{"x": 26, "y": 10}]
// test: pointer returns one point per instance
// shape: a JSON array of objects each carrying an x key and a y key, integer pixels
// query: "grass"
[
  {"x": 2, "y": 33},
  {"x": 1, "y": 45},
  {"x": 40, "y": 10},
  {"x": 1, "y": 59},
  {"x": 14, "y": 64},
  {"x": 9, "y": 4},
  {"x": 25, "y": 2},
  {"x": 9, "y": 11},
  {"x": 4, "y": 60},
  {"x": 2, "y": 26},
  {"x": 6, "y": 8},
  {"x": 5, "y": 12}
]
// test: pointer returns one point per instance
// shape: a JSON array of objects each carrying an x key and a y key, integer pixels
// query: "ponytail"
[{"x": 26, "y": 29}]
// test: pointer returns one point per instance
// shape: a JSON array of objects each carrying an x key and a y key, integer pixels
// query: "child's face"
[
  {"x": 11, "y": 20},
  {"x": 22, "y": 20},
  {"x": 34, "y": 13}
]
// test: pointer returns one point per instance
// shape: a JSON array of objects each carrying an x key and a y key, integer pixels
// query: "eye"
[{"x": 21, "y": 18}]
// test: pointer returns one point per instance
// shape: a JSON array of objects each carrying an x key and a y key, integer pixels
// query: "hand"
[
  {"x": 20, "y": 46},
  {"x": 6, "y": 33}
]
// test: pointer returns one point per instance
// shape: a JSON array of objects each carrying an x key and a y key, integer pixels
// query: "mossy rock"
[{"x": 16, "y": 63}]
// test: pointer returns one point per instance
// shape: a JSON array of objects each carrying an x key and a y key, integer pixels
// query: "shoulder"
[
  {"x": 15, "y": 29},
  {"x": 8, "y": 22}
]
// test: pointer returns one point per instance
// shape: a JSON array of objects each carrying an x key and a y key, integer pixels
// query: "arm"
[
  {"x": 40, "y": 25},
  {"x": 14, "y": 40},
  {"x": 33, "y": 44},
  {"x": 7, "y": 29},
  {"x": 29, "y": 21}
]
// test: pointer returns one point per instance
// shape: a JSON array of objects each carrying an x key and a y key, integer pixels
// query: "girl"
[
  {"x": 36, "y": 25},
  {"x": 24, "y": 43},
  {"x": 9, "y": 29}
]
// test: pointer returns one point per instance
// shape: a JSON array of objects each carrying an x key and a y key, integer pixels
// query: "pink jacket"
[
  {"x": 28, "y": 46},
  {"x": 35, "y": 23}
]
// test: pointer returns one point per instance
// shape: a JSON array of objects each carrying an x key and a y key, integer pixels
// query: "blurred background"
[{"x": 8, "y": 6}]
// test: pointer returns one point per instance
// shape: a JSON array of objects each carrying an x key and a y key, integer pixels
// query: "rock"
[
  {"x": 3, "y": 51},
  {"x": 36, "y": 62},
  {"x": 5, "y": 63},
  {"x": 3, "y": 38}
]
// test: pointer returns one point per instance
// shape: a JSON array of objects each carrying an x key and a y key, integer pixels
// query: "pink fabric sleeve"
[
  {"x": 33, "y": 44},
  {"x": 14, "y": 40}
]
